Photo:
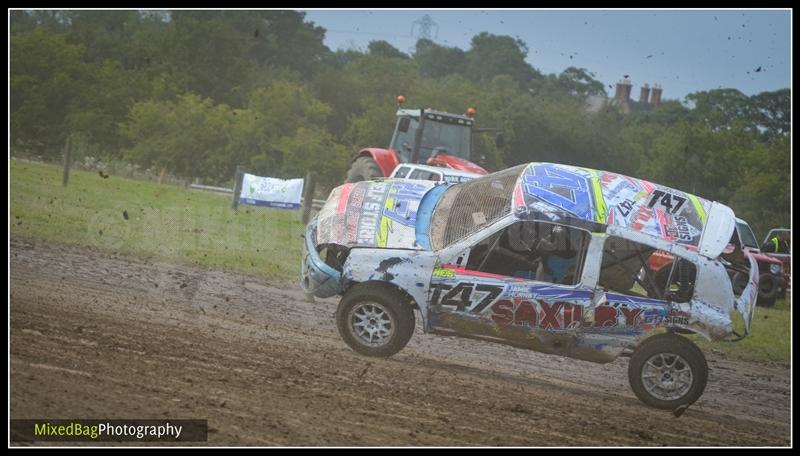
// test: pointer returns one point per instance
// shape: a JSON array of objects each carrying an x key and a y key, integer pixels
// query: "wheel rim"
[
  {"x": 667, "y": 376},
  {"x": 371, "y": 323}
]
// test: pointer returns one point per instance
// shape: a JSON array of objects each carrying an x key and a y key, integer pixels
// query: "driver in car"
[{"x": 559, "y": 256}]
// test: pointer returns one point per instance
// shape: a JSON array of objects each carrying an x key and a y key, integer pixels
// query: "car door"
[
  {"x": 636, "y": 294},
  {"x": 495, "y": 295}
]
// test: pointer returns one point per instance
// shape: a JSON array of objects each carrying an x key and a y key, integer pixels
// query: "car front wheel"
[
  {"x": 374, "y": 320},
  {"x": 667, "y": 371}
]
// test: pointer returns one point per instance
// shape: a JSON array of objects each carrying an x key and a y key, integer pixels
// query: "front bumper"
[{"x": 316, "y": 277}]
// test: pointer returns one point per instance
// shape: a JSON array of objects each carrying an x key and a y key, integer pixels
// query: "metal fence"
[{"x": 315, "y": 203}]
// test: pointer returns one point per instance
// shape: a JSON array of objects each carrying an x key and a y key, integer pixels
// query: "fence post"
[
  {"x": 237, "y": 186},
  {"x": 308, "y": 196},
  {"x": 67, "y": 153}
]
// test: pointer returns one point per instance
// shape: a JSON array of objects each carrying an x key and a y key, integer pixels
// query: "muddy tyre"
[
  {"x": 374, "y": 320},
  {"x": 363, "y": 168},
  {"x": 667, "y": 371},
  {"x": 768, "y": 286}
]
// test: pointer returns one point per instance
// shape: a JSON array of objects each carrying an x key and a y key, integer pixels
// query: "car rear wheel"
[
  {"x": 363, "y": 168},
  {"x": 375, "y": 321},
  {"x": 668, "y": 371}
]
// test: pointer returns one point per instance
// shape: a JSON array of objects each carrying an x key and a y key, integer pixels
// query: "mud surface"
[{"x": 103, "y": 336}]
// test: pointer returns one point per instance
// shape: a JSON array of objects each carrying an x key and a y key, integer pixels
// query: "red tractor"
[{"x": 422, "y": 136}]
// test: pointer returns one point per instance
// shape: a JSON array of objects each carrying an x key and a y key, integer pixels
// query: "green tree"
[
  {"x": 719, "y": 109},
  {"x": 668, "y": 113},
  {"x": 25, "y": 21},
  {"x": 380, "y": 78},
  {"x": 107, "y": 35},
  {"x": 185, "y": 137},
  {"x": 341, "y": 58},
  {"x": 373, "y": 128},
  {"x": 572, "y": 82},
  {"x": 383, "y": 48},
  {"x": 208, "y": 55},
  {"x": 762, "y": 195},
  {"x": 437, "y": 61},
  {"x": 48, "y": 78},
  {"x": 773, "y": 113},
  {"x": 343, "y": 94},
  {"x": 313, "y": 149},
  {"x": 492, "y": 55},
  {"x": 286, "y": 106},
  {"x": 114, "y": 91}
]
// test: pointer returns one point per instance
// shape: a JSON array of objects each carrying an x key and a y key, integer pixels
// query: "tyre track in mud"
[{"x": 106, "y": 336}]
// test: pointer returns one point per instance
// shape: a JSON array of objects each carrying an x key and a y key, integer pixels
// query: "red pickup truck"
[{"x": 773, "y": 275}]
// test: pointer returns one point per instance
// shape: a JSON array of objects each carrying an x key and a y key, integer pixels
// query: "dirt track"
[{"x": 102, "y": 336}]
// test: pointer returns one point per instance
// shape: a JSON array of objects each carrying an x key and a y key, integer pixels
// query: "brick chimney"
[
  {"x": 623, "y": 95},
  {"x": 655, "y": 99},
  {"x": 644, "y": 94}
]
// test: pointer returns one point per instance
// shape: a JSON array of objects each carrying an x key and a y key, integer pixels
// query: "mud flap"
[{"x": 746, "y": 303}]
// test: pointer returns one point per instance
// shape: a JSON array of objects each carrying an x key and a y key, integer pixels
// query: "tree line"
[{"x": 199, "y": 92}]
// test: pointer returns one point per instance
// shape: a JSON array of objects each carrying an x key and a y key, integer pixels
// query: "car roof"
[
  {"x": 629, "y": 207},
  {"x": 439, "y": 169}
]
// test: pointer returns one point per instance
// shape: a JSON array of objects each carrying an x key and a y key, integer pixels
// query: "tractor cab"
[{"x": 420, "y": 135}]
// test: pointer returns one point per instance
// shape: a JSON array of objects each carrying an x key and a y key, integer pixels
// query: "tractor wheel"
[{"x": 363, "y": 168}]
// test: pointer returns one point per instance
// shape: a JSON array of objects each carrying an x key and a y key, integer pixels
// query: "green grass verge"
[{"x": 164, "y": 222}]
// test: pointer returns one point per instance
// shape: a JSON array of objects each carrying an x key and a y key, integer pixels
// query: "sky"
[{"x": 684, "y": 51}]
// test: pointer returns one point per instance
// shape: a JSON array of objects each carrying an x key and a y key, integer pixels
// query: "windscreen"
[
  {"x": 451, "y": 139},
  {"x": 468, "y": 207},
  {"x": 746, "y": 235}
]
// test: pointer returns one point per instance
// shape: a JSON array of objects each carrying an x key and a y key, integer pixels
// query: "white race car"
[
  {"x": 541, "y": 256},
  {"x": 434, "y": 173}
]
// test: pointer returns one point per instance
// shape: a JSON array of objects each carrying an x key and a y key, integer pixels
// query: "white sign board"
[{"x": 271, "y": 192}]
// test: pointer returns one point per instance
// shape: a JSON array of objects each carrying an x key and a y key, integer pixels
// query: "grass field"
[
  {"x": 193, "y": 227},
  {"x": 163, "y": 222}
]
